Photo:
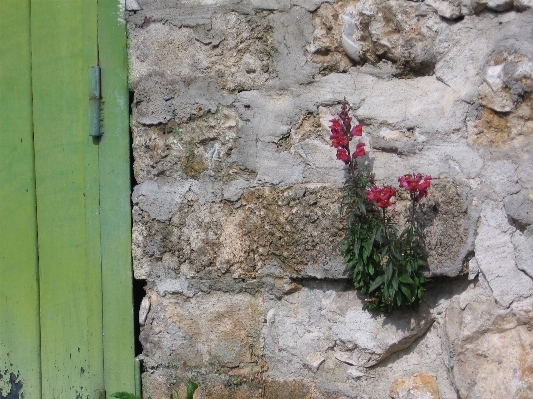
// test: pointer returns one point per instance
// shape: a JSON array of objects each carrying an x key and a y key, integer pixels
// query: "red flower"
[
  {"x": 342, "y": 154},
  {"x": 416, "y": 183},
  {"x": 359, "y": 150},
  {"x": 384, "y": 203},
  {"x": 383, "y": 197},
  {"x": 357, "y": 130},
  {"x": 339, "y": 142},
  {"x": 373, "y": 194},
  {"x": 387, "y": 192},
  {"x": 336, "y": 128},
  {"x": 421, "y": 194},
  {"x": 425, "y": 184}
]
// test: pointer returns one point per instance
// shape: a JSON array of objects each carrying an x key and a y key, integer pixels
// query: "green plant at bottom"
[
  {"x": 191, "y": 387},
  {"x": 387, "y": 265}
]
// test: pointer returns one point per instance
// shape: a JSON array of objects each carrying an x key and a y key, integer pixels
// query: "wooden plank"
[
  {"x": 64, "y": 37},
  {"x": 19, "y": 293},
  {"x": 115, "y": 201}
]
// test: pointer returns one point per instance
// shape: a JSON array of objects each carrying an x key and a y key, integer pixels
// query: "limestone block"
[
  {"x": 490, "y": 349},
  {"x": 204, "y": 331},
  {"x": 519, "y": 207},
  {"x": 523, "y": 243},
  {"x": 220, "y": 52},
  {"x": 375, "y": 30},
  {"x": 464, "y": 49},
  {"x": 320, "y": 317},
  {"x": 160, "y": 198},
  {"x": 418, "y": 386},
  {"x": 496, "y": 257}
]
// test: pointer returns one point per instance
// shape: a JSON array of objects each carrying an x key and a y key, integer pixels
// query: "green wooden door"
[{"x": 66, "y": 326}]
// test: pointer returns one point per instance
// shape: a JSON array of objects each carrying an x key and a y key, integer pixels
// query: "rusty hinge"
[{"x": 94, "y": 103}]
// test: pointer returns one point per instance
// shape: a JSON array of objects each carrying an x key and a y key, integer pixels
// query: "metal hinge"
[{"x": 94, "y": 103}]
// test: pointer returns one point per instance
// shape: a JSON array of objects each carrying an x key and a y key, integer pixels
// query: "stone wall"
[{"x": 236, "y": 203}]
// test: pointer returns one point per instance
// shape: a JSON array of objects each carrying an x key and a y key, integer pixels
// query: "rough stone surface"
[
  {"x": 490, "y": 348},
  {"x": 418, "y": 386},
  {"x": 236, "y": 197}
]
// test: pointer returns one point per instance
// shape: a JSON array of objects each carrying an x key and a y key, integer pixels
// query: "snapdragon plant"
[{"x": 386, "y": 263}]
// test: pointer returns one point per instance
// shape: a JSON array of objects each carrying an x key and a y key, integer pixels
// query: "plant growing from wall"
[{"x": 386, "y": 262}]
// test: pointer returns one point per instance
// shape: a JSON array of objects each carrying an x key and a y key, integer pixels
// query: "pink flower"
[
  {"x": 417, "y": 184},
  {"x": 373, "y": 194},
  {"x": 336, "y": 128},
  {"x": 339, "y": 142},
  {"x": 421, "y": 194},
  {"x": 357, "y": 130},
  {"x": 384, "y": 203},
  {"x": 342, "y": 154},
  {"x": 383, "y": 197},
  {"x": 387, "y": 192},
  {"x": 359, "y": 150},
  {"x": 425, "y": 184}
]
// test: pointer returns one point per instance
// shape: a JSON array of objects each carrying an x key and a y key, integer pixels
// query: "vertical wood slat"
[
  {"x": 19, "y": 292},
  {"x": 64, "y": 37},
  {"x": 115, "y": 201}
]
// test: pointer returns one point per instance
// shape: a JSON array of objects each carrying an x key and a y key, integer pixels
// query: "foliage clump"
[{"x": 387, "y": 263}]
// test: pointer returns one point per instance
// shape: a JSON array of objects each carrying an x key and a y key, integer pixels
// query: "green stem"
[{"x": 385, "y": 224}]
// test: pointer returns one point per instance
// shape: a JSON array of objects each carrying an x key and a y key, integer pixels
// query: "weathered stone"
[
  {"x": 160, "y": 199},
  {"x": 227, "y": 333},
  {"x": 315, "y": 360},
  {"x": 447, "y": 9},
  {"x": 485, "y": 342},
  {"x": 354, "y": 373},
  {"x": 495, "y": 255},
  {"x": 500, "y": 5},
  {"x": 351, "y": 47},
  {"x": 499, "y": 101},
  {"x": 318, "y": 318},
  {"x": 418, "y": 386},
  {"x": 144, "y": 309},
  {"x": 132, "y": 5},
  {"x": 467, "y": 47},
  {"x": 310, "y": 5},
  {"x": 523, "y": 4},
  {"x": 326, "y": 48},
  {"x": 523, "y": 244},
  {"x": 519, "y": 207},
  {"x": 293, "y": 31},
  {"x": 236, "y": 204},
  {"x": 469, "y": 7}
]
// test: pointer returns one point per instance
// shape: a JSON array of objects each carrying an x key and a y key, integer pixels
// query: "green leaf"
[
  {"x": 193, "y": 386},
  {"x": 377, "y": 282},
  {"x": 406, "y": 291},
  {"x": 395, "y": 282},
  {"x": 388, "y": 274},
  {"x": 421, "y": 262},
  {"x": 404, "y": 278}
]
